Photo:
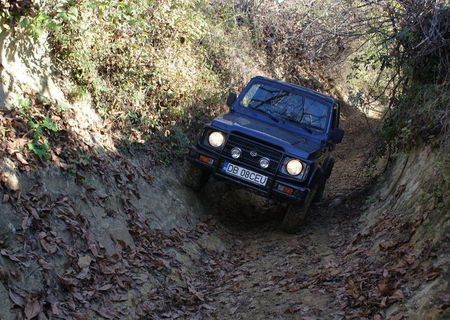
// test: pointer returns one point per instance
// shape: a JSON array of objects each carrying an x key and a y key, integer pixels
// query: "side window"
[
  {"x": 315, "y": 114},
  {"x": 250, "y": 95}
]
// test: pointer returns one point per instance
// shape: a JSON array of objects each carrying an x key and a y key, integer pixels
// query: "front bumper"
[{"x": 275, "y": 187}]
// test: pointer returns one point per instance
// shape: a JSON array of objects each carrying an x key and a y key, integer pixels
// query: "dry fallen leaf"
[
  {"x": 119, "y": 298},
  {"x": 398, "y": 316},
  {"x": 67, "y": 281},
  {"x": 106, "y": 287},
  {"x": 21, "y": 158},
  {"x": 79, "y": 315},
  {"x": 44, "y": 264},
  {"x": 387, "y": 244},
  {"x": 18, "y": 300},
  {"x": 234, "y": 287},
  {"x": 293, "y": 309},
  {"x": 196, "y": 293},
  {"x": 49, "y": 247},
  {"x": 6, "y": 253},
  {"x": 398, "y": 295},
  {"x": 32, "y": 308},
  {"x": 105, "y": 313},
  {"x": 384, "y": 287},
  {"x": 432, "y": 274}
]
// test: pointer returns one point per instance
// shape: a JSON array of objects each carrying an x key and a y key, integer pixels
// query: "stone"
[
  {"x": 8, "y": 175},
  {"x": 84, "y": 261},
  {"x": 336, "y": 202}
]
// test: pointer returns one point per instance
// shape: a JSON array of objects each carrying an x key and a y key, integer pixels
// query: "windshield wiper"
[
  {"x": 263, "y": 102},
  {"x": 301, "y": 125},
  {"x": 269, "y": 115}
]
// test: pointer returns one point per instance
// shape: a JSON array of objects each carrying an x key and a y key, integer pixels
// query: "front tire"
[
  {"x": 319, "y": 194},
  {"x": 296, "y": 214},
  {"x": 329, "y": 167},
  {"x": 194, "y": 176}
]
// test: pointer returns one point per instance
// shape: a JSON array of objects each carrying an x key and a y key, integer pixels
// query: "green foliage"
[
  {"x": 48, "y": 124},
  {"x": 25, "y": 107},
  {"x": 41, "y": 149},
  {"x": 135, "y": 56},
  {"x": 39, "y": 128},
  {"x": 416, "y": 117},
  {"x": 148, "y": 66},
  {"x": 402, "y": 68}
]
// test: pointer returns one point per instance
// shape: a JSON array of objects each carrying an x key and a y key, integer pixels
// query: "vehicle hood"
[{"x": 293, "y": 142}]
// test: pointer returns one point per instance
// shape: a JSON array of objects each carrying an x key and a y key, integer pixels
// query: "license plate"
[{"x": 244, "y": 174}]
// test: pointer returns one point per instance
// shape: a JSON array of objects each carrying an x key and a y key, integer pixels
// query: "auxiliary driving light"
[
  {"x": 264, "y": 163},
  {"x": 236, "y": 152}
]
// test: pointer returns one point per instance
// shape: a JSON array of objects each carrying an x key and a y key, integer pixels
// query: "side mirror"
[
  {"x": 336, "y": 135},
  {"x": 231, "y": 99}
]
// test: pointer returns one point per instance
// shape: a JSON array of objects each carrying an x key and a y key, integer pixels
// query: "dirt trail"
[
  {"x": 276, "y": 276},
  {"x": 267, "y": 274}
]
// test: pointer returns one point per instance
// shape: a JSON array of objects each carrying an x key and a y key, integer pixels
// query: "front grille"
[{"x": 247, "y": 145}]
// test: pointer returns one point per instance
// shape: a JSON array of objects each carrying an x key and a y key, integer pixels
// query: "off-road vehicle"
[{"x": 276, "y": 140}]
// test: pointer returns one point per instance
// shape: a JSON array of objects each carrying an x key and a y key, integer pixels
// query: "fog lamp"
[
  {"x": 236, "y": 152},
  {"x": 264, "y": 163}
]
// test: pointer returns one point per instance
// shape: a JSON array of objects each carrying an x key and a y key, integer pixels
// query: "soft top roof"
[{"x": 297, "y": 87}]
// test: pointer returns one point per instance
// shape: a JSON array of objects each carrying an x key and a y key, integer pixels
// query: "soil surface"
[
  {"x": 280, "y": 276},
  {"x": 353, "y": 168}
]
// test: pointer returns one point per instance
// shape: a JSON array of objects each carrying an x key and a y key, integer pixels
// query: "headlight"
[
  {"x": 294, "y": 167},
  {"x": 216, "y": 139}
]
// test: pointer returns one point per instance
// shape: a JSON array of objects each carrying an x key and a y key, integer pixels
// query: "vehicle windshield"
[{"x": 281, "y": 104}]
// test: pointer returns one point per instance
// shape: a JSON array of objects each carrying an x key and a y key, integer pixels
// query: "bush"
[{"x": 148, "y": 66}]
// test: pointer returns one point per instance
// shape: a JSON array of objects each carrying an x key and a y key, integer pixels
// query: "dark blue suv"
[{"x": 276, "y": 140}]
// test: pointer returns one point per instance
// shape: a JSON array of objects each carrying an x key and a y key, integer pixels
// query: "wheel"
[
  {"x": 319, "y": 194},
  {"x": 323, "y": 182},
  {"x": 296, "y": 214},
  {"x": 194, "y": 176}
]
